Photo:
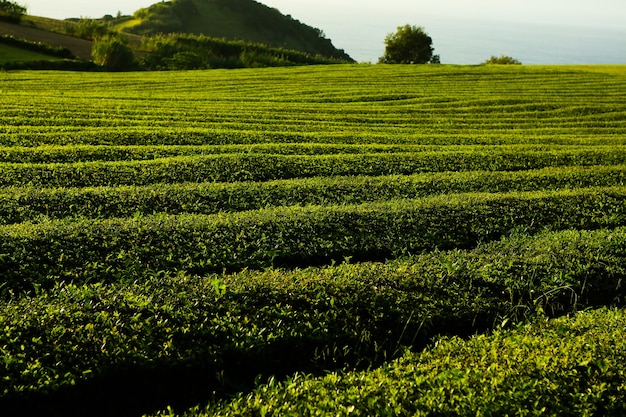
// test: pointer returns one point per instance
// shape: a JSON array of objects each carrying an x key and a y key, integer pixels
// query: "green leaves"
[{"x": 86, "y": 250}]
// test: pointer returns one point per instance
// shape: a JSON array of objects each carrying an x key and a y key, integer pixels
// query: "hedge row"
[
  {"x": 126, "y": 249},
  {"x": 571, "y": 366},
  {"x": 33, "y": 203},
  {"x": 37, "y": 47},
  {"x": 65, "y": 65},
  {"x": 43, "y": 132},
  {"x": 255, "y": 167},
  {"x": 171, "y": 339},
  {"x": 84, "y": 153}
]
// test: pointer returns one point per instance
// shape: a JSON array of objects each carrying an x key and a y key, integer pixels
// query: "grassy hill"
[
  {"x": 233, "y": 20},
  {"x": 183, "y": 34}
]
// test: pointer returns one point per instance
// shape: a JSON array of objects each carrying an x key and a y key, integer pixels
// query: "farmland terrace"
[{"x": 346, "y": 239}]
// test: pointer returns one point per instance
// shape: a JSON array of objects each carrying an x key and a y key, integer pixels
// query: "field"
[
  {"x": 323, "y": 240},
  {"x": 12, "y": 54}
]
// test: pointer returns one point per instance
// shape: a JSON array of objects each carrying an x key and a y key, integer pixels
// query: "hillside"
[
  {"x": 81, "y": 48},
  {"x": 216, "y": 35},
  {"x": 230, "y": 19}
]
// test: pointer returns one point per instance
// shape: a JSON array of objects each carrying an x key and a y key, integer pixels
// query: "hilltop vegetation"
[
  {"x": 242, "y": 20},
  {"x": 209, "y": 34},
  {"x": 11, "y": 11},
  {"x": 180, "y": 238}
]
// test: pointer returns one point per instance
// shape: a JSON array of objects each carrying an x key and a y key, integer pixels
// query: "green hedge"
[
  {"x": 33, "y": 203},
  {"x": 125, "y": 249},
  {"x": 43, "y": 132},
  {"x": 258, "y": 167},
  {"x": 565, "y": 367},
  {"x": 92, "y": 153},
  {"x": 37, "y": 47},
  {"x": 75, "y": 348}
]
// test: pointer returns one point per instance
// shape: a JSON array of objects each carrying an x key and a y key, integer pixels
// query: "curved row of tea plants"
[
  {"x": 86, "y": 153},
  {"x": 34, "y": 136},
  {"x": 260, "y": 167},
  {"x": 347, "y": 103},
  {"x": 20, "y": 204},
  {"x": 87, "y": 250},
  {"x": 178, "y": 333},
  {"x": 571, "y": 366}
]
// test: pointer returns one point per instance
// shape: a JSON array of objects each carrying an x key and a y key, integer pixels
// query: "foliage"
[
  {"x": 113, "y": 55},
  {"x": 114, "y": 249},
  {"x": 11, "y": 11},
  {"x": 244, "y": 20},
  {"x": 32, "y": 203},
  {"x": 409, "y": 45},
  {"x": 501, "y": 60},
  {"x": 179, "y": 238},
  {"x": 264, "y": 167},
  {"x": 89, "y": 29},
  {"x": 275, "y": 321},
  {"x": 419, "y": 105},
  {"x": 200, "y": 52},
  {"x": 565, "y": 367},
  {"x": 37, "y": 47}
]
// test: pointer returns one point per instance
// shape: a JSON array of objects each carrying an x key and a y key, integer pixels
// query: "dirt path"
[{"x": 79, "y": 47}]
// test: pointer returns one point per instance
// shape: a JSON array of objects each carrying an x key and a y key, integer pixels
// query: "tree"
[
  {"x": 409, "y": 45},
  {"x": 502, "y": 60},
  {"x": 113, "y": 55},
  {"x": 11, "y": 12}
]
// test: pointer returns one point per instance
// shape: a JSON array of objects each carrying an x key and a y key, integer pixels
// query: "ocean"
[{"x": 472, "y": 41}]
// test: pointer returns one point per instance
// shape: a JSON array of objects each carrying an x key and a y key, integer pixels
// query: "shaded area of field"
[{"x": 81, "y": 48}]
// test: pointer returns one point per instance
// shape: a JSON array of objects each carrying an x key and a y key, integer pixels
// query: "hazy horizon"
[{"x": 533, "y": 31}]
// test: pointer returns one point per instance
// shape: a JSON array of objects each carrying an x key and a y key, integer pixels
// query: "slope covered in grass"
[{"x": 234, "y": 20}]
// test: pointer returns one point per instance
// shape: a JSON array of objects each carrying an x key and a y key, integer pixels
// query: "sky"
[{"x": 457, "y": 26}]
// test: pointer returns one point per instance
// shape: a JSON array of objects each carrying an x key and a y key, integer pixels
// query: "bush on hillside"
[
  {"x": 11, "y": 12},
  {"x": 113, "y": 55},
  {"x": 87, "y": 29},
  {"x": 501, "y": 60}
]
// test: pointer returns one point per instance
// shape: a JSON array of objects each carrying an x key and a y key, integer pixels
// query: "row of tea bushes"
[
  {"x": 261, "y": 167},
  {"x": 33, "y": 204},
  {"x": 88, "y": 250},
  {"x": 85, "y": 153},
  {"x": 571, "y": 366},
  {"x": 77, "y": 345}
]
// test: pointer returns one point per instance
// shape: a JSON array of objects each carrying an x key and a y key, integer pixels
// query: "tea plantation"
[{"x": 323, "y": 240}]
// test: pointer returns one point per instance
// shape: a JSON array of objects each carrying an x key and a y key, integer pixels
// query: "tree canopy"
[
  {"x": 409, "y": 45},
  {"x": 113, "y": 55},
  {"x": 11, "y": 11}
]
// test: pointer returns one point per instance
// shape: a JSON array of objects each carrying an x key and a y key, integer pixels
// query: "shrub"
[
  {"x": 501, "y": 60},
  {"x": 11, "y": 12},
  {"x": 113, "y": 55}
]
